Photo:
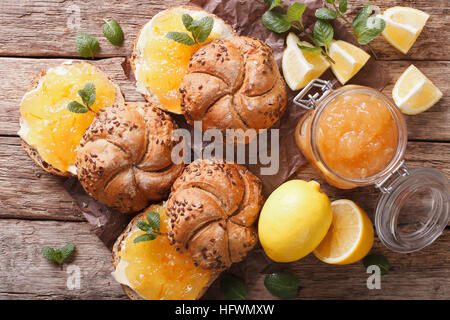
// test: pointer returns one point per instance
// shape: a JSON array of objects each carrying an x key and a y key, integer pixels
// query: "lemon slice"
[
  {"x": 300, "y": 67},
  {"x": 348, "y": 59},
  {"x": 403, "y": 26},
  {"x": 350, "y": 236},
  {"x": 414, "y": 93}
]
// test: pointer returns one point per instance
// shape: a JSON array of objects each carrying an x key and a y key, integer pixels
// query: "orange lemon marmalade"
[
  {"x": 157, "y": 271},
  {"x": 51, "y": 128},
  {"x": 357, "y": 135},
  {"x": 166, "y": 61}
]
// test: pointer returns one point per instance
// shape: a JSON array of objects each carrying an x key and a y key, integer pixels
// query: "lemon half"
[{"x": 350, "y": 236}]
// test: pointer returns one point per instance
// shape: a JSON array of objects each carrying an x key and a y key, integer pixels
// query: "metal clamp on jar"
[{"x": 355, "y": 136}]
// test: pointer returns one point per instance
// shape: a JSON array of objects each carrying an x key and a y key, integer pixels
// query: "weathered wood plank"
[
  {"x": 430, "y": 125},
  {"x": 30, "y": 193},
  {"x": 26, "y": 274},
  {"x": 23, "y": 34}
]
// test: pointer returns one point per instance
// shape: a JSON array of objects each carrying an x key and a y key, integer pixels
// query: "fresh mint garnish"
[
  {"x": 284, "y": 19},
  {"x": 113, "y": 32},
  {"x": 283, "y": 285},
  {"x": 151, "y": 227},
  {"x": 87, "y": 45},
  {"x": 199, "y": 30},
  {"x": 88, "y": 97},
  {"x": 58, "y": 255},
  {"x": 233, "y": 288},
  {"x": 378, "y": 260},
  {"x": 365, "y": 27}
]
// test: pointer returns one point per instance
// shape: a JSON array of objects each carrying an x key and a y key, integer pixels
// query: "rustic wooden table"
[{"x": 36, "y": 211}]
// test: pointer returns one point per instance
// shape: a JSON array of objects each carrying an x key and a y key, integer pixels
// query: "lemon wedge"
[
  {"x": 403, "y": 26},
  {"x": 414, "y": 93},
  {"x": 300, "y": 67},
  {"x": 350, "y": 236},
  {"x": 349, "y": 59}
]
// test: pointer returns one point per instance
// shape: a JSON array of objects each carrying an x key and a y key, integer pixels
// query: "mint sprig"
[
  {"x": 365, "y": 27},
  {"x": 199, "y": 30},
  {"x": 233, "y": 288},
  {"x": 281, "y": 22},
  {"x": 58, "y": 255},
  {"x": 378, "y": 260},
  {"x": 88, "y": 97},
  {"x": 151, "y": 227}
]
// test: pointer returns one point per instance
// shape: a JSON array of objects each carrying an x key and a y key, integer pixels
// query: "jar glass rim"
[{"x": 396, "y": 114}]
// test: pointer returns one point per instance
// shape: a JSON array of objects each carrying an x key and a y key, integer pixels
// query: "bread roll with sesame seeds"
[
  {"x": 233, "y": 84},
  {"x": 213, "y": 208},
  {"x": 124, "y": 159}
]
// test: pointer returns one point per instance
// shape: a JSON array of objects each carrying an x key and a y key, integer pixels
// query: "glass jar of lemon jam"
[{"x": 355, "y": 136}]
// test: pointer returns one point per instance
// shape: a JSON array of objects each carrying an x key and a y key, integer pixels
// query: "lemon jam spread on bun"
[
  {"x": 50, "y": 132},
  {"x": 160, "y": 63},
  {"x": 155, "y": 270}
]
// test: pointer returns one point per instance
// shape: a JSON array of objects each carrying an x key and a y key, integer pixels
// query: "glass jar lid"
[{"x": 413, "y": 209}]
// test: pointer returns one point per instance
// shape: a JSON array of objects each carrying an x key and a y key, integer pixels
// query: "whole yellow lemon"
[{"x": 294, "y": 220}]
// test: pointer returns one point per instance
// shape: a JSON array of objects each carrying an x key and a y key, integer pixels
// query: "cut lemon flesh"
[
  {"x": 164, "y": 61},
  {"x": 414, "y": 93},
  {"x": 300, "y": 67},
  {"x": 403, "y": 26},
  {"x": 47, "y": 124},
  {"x": 350, "y": 236},
  {"x": 348, "y": 59},
  {"x": 156, "y": 271}
]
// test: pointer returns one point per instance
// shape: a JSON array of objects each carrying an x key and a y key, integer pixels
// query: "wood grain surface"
[{"x": 36, "y": 211}]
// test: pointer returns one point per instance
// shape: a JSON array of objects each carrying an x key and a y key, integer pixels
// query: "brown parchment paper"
[{"x": 245, "y": 17}]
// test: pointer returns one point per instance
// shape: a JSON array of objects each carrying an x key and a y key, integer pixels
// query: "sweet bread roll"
[
  {"x": 233, "y": 84},
  {"x": 124, "y": 159},
  {"x": 213, "y": 208}
]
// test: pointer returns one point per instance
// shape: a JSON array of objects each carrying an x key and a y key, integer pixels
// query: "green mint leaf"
[
  {"x": 88, "y": 94},
  {"x": 330, "y": 1},
  {"x": 153, "y": 220},
  {"x": 233, "y": 288},
  {"x": 87, "y": 45},
  {"x": 326, "y": 14},
  {"x": 180, "y": 37},
  {"x": 77, "y": 107},
  {"x": 360, "y": 20},
  {"x": 145, "y": 237},
  {"x": 143, "y": 226},
  {"x": 315, "y": 50},
  {"x": 67, "y": 250},
  {"x": 203, "y": 28},
  {"x": 378, "y": 260},
  {"x": 49, "y": 253},
  {"x": 374, "y": 27},
  {"x": 187, "y": 20},
  {"x": 295, "y": 12},
  {"x": 273, "y": 3},
  {"x": 343, "y": 6},
  {"x": 283, "y": 285},
  {"x": 323, "y": 32},
  {"x": 275, "y": 21},
  {"x": 113, "y": 32}
]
